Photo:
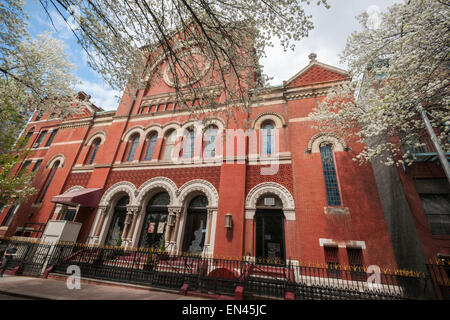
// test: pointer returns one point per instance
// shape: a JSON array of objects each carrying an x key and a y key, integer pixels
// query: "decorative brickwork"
[
  {"x": 283, "y": 177},
  {"x": 316, "y": 74},
  {"x": 77, "y": 179},
  {"x": 179, "y": 175}
]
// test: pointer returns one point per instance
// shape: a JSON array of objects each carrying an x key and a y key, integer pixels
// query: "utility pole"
[{"x": 437, "y": 146}]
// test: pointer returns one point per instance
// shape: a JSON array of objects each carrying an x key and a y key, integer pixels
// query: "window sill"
[
  {"x": 336, "y": 210},
  {"x": 40, "y": 148}
]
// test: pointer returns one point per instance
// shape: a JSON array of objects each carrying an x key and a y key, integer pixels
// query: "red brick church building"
[{"x": 289, "y": 193}]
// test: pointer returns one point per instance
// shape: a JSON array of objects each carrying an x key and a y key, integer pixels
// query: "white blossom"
[{"x": 398, "y": 67}]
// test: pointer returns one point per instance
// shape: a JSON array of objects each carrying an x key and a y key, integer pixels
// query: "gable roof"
[{"x": 316, "y": 72}]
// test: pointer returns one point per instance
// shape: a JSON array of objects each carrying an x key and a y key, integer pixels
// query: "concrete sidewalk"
[{"x": 50, "y": 289}]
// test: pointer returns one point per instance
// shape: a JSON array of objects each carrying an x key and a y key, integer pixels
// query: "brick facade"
[{"x": 231, "y": 187}]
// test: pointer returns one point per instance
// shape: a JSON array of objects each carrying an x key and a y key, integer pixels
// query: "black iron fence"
[
  {"x": 440, "y": 275},
  {"x": 258, "y": 278},
  {"x": 30, "y": 257}
]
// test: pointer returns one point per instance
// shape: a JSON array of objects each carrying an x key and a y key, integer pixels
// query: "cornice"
[{"x": 76, "y": 123}]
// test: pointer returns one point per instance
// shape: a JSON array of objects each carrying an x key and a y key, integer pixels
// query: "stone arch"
[
  {"x": 170, "y": 125},
  {"x": 119, "y": 187},
  {"x": 198, "y": 185},
  {"x": 277, "y": 119},
  {"x": 59, "y": 157},
  {"x": 131, "y": 131},
  {"x": 214, "y": 122},
  {"x": 157, "y": 183},
  {"x": 316, "y": 140},
  {"x": 73, "y": 188},
  {"x": 272, "y": 188},
  {"x": 98, "y": 134},
  {"x": 153, "y": 128}
]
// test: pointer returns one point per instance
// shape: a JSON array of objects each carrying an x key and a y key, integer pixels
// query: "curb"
[
  {"x": 99, "y": 282},
  {"x": 21, "y": 295}
]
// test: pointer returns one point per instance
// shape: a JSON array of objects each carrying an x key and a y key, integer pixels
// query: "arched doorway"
[
  {"x": 269, "y": 229},
  {"x": 155, "y": 223},
  {"x": 195, "y": 227},
  {"x": 117, "y": 222}
]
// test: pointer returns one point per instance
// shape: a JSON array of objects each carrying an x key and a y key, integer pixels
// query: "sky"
[{"x": 331, "y": 30}]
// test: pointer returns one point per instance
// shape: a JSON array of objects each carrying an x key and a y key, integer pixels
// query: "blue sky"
[{"x": 327, "y": 40}]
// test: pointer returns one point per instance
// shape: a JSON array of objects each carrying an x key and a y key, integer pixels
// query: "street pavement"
[{"x": 20, "y": 287}]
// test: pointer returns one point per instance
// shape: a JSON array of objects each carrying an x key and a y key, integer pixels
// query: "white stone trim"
[
  {"x": 270, "y": 187},
  {"x": 276, "y": 118},
  {"x": 171, "y": 125},
  {"x": 156, "y": 183},
  {"x": 73, "y": 188},
  {"x": 98, "y": 134},
  {"x": 123, "y": 186},
  {"x": 318, "y": 139},
  {"x": 64, "y": 143},
  {"x": 198, "y": 185},
  {"x": 137, "y": 129},
  {"x": 301, "y": 119},
  {"x": 153, "y": 128},
  {"x": 342, "y": 244},
  {"x": 60, "y": 157}
]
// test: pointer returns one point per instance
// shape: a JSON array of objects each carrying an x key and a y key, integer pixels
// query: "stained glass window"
[
  {"x": 210, "y": 142},
  {"x": 169, "y": 145},
  {"x": 133, "y": 146},
  {"x": 52, "y": 136},
  {"x": 329, "y": 173},
  {"x": 49, "y": 180},
  {"x": 189, "y": 144},
  {"x": 150, "y": 147},
  {"x": 94, "y": 149},
  {"x": 268, "y": 142}
]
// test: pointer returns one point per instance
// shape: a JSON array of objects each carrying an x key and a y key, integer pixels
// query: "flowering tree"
[
  {"x": 400, "y": 66},
  {"x": 129, "y": 42},
  {"x": 34, "y": 74}
]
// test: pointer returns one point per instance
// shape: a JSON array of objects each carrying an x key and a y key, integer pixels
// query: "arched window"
[
  {"x": 210, "y": 138},
  {"x": 29, "y": 135},
  {"x": 189, "y": 143},
  {"x": 155, "y": 223},
  {"x": 93, "y": 150},
  {"x": 151, "y": 143},
  {"x": 134, "y": 140},
  {"x": 9, "y": 215},
  {"x": 40, "y": 139},
  {"x": 267, "y": 138},
  {"x": 50, "y": 139},
  {"x": 117, "y": 222},
  {"x": 195, "y": 228},
  {"x": 38, "y": 116},
  {"x": 169, "y": 145},
  {"x": 329, "y": 173},
  {"x": 48, "y": 181}
]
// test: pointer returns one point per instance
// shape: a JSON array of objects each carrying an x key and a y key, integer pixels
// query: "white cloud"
[
  {"x": 328, "y": 38},
  {"x": 101, "y": 96}
]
